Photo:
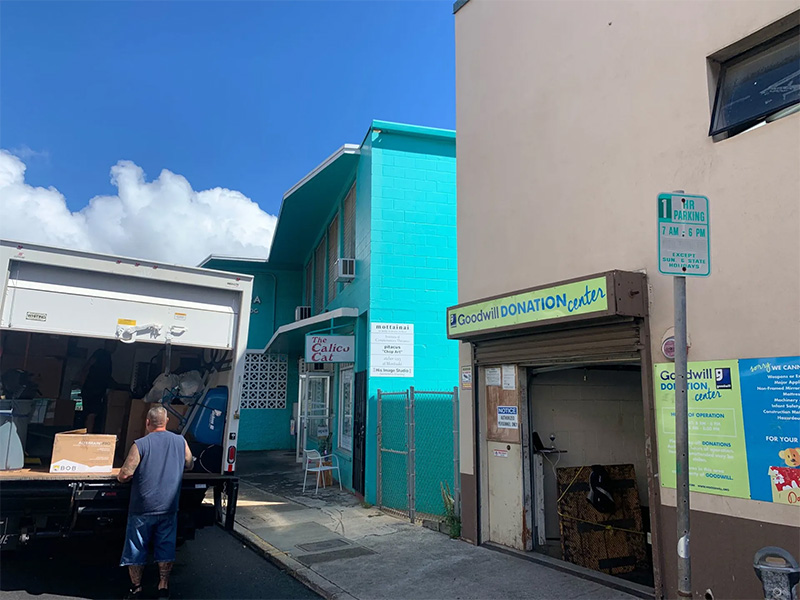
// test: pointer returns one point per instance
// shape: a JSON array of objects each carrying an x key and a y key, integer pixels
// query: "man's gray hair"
[{"x": 157, "y": 416}]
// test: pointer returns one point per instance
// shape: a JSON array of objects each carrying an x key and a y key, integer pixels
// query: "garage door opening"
[{"x": 589, "y": 468}]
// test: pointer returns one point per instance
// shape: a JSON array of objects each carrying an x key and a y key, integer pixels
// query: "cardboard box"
[
  {"x": 41, "y": 344},
  {"x": 116, "y": 411},
  {"x": 138, "y": 416},
  {"x": 45, "y": 372},
  {"x": 173, "y": 424},
  {"x": 63, "y": 413},
  {"x": 136, "y": 419},
  {"x": 78, "y": 452}
]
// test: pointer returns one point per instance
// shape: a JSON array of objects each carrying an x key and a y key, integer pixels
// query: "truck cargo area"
[
  {"x": 41, "y": 504},
  {"x": 88, "y": 343},
  {"x": 48, "y": 368}
]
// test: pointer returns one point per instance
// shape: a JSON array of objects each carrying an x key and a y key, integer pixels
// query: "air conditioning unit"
[
  {"x": 345, "y": 269},
  {"x": 302, "y": 312}
]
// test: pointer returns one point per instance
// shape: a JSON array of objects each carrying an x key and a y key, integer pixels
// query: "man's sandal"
[{"x": 134, "y": 593}]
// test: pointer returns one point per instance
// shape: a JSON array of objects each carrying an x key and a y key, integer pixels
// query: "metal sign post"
[
  {"x": 683, "y": 249},
  {"x": 682, "y": 439}
]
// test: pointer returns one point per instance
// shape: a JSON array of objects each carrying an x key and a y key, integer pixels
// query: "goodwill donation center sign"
[
  {"x": 566, "y": 300},
  {"x": 744, "y": 427}
]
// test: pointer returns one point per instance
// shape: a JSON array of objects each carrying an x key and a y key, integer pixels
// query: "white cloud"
[
  {"x": 164, "y": 219},
  {"x": 26, "y": 152}
]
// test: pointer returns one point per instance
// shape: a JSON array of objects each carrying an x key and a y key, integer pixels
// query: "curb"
[{"x": 311, "y": 579}]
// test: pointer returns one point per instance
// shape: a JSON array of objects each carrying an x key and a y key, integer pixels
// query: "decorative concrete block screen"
[{"x": 264, "y": 383}]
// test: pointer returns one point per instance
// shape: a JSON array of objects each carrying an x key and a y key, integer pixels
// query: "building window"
[
  {"x": 333, "y": 255},
  {"x": 349, "y": 232},
  {"x": 757, "y": 84},
  {"x": 319, "y": 277},
  {"x": 264, "y": 381},
  {"x": 346, "y": 395},
  {"x": 309, "y": 282}
]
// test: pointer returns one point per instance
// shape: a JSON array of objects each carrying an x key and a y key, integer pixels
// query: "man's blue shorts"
[{"x": 161, "y": 530}]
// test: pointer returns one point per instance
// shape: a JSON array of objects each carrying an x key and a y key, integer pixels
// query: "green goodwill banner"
[
  {"x": 717, "y": 451},
  {"x": 744, "y": 427}
]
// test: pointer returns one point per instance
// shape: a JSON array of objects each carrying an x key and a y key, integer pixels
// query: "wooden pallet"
[{"x": 612, "y": 543}]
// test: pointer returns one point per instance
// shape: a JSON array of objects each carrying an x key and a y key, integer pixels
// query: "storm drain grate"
[
  {"x": 323, "y": 545},
  {"x": 321, "y": 557}
]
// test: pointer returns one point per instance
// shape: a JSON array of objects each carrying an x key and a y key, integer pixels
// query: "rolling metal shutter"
[
  {"x": 74, "y": 301},
  {"x": 614, "y": 342}
]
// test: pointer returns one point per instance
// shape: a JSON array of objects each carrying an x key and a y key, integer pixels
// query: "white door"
[{"x": 314, "y": 412}]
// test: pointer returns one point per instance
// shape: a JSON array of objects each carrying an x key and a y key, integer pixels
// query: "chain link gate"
[
  {"x": 393, "y": 451},
  {"x": 418, "y": 452}
]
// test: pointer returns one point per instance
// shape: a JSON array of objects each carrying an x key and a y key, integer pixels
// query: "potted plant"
[{"x": 325, "y": 448}]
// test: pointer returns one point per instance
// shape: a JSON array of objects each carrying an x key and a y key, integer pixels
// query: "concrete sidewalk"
[{"x": 344, "y": 550}]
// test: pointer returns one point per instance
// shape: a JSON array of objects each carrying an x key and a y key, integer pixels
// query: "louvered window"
[
  {"x": 319, "y": 277},
  {"x": 333, "y": 255},
  {"x": 349, "y": 233},
  {"x": 309, "y": 282}
]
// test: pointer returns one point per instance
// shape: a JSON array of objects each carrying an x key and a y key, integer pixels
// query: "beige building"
[{"x": 572, "y": 117}]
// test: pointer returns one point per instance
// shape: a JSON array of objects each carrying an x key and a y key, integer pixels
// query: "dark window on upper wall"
[
  {"x": 319, "y": 277},
  {"x": 333, "y": 256},
  {"x": 349, "y": 232},
  {"x": 757, "y": 84},
  {"x": 309, "y": 281}
]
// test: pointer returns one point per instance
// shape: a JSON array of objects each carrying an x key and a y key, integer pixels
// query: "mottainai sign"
[
  {"x": 330, "y": 348},
  {"x": 612, "y": 293}
]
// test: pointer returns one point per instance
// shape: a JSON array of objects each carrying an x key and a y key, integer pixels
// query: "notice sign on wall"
[
  {"x": 391, "y": 350},
  {"x": 466, "y": 378},
  {"x": 509, "y": 377},
  {"x": 507, "y": 417},
  {"x": 744, "y": 427},
  {"x": 330, "y": 348}
]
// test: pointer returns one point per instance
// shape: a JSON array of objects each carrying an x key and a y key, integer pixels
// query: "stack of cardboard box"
[
  {"x": 138, "y": 416},
  {"x": 43, "y": 356}
]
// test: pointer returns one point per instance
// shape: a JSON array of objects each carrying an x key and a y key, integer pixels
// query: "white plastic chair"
[{"x": 313, "y": 464}]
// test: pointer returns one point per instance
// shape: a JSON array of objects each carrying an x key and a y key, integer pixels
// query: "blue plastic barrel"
[{"x": 209, "y": 424}]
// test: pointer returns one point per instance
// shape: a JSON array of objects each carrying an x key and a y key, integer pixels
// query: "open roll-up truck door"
[{"x": 75, "y": 301}]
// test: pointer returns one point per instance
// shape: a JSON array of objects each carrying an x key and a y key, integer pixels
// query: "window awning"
[{"x": 290, "y": 338}]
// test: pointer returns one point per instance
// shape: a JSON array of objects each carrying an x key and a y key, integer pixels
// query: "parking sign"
[{"x": 684, "y": 246}]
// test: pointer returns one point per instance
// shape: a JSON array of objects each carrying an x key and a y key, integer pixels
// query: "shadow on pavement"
[{"x": 214, "y": 565}]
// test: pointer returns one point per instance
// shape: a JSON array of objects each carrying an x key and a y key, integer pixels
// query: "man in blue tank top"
[{"x": 155, "y": 463}]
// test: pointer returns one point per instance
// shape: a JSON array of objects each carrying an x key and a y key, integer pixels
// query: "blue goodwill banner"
[
  {"x": 771, "y": 410},
  {"x": 744, "y": 427}
]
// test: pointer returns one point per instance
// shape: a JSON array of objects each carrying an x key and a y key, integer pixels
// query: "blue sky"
[{"x": 243, "y": 95}]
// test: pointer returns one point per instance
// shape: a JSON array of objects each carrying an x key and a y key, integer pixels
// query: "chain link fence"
[{"x": 418, "y": 452}]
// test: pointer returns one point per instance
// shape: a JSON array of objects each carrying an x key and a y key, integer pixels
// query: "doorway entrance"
[
  {"x": 314, "y": 412},
  {"x": 359, "y": 432},
  {"x": 589, "y": 468}
]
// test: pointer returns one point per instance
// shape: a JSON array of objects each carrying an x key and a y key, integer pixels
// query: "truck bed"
[
  {"x": 37, "y": 504},
  {"x": 41, "y": 473}
]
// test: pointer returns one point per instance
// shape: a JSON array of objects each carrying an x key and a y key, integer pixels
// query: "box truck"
[{"x": 155, "y": 333}]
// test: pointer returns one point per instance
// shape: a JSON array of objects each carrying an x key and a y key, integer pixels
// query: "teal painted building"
[{"x": 389, "y": 204}]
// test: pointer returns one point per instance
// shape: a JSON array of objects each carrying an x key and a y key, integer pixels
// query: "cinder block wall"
[
  {"x": 414, "y": 275},
  {"x": 261, "y": 428}
]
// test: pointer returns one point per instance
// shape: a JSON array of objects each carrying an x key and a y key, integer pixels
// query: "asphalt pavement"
[{"x": 215, "y": 565}]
